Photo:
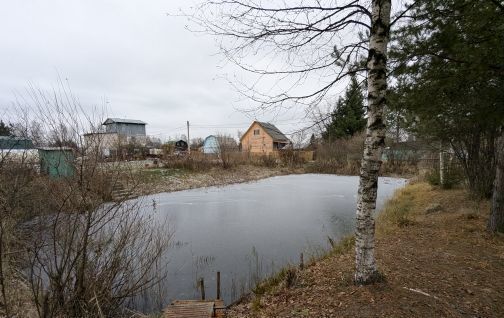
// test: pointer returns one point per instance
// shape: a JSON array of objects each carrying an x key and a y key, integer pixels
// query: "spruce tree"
[
  {"x": 449, "y": 63},
  {"x": 347, "y": 119},
  {"x": 5, "y": 130}
]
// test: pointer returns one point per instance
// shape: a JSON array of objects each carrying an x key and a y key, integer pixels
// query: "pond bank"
[
  {"x": 434, "y": 252},
  {"x": 169, "y": 180},
  {"x": 158, "y": 180}
]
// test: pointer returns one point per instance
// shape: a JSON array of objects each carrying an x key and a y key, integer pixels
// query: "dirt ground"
[{"x": 437, "y": 259}]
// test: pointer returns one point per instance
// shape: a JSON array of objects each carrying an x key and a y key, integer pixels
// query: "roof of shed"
[
  {"x": 55, "y": 148},
  {"x": 221, "y": 138},
  {"x": 124, "y": 121},
  {"x": 100, "y": 133},
  {"x": 13, "y": 142},
  {"x": 13, "y": 138}
]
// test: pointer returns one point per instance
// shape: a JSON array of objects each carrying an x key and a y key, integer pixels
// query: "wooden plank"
[{"x": 195, "y": 309}]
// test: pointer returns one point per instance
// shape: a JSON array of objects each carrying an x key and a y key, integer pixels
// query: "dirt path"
[{"x": 439, "y": 263}]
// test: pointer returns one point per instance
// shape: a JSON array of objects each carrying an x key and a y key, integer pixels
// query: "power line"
[
  {"x": 245, "y": 124},
  {"x": 181, "y": 129}
]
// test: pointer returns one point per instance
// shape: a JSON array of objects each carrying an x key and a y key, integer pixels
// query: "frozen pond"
[{"x": 252, "y": 229}]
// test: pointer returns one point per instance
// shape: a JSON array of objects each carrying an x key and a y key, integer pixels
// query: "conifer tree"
[
  {"x": 347, "y": 119},
  {"x": 449, "y": 62},
  {"x": 5, "y": 130}
]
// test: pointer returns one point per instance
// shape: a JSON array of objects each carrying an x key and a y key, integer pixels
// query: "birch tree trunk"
[
  {"x": 496, "y": 220},
  {"x": 366, "y": 269}
]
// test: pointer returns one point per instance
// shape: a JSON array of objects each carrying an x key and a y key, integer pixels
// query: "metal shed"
[
  {"x": 181, "y": 145},
  {"x": 127, "y": 127},
  {"x": 214, "y": 145},
  {"x": 57, "y": 162},
  {"x": 211, "y": 145}
]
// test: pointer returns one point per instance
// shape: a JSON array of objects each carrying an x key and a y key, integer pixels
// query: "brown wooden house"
[{"x": 263, "y": 139}]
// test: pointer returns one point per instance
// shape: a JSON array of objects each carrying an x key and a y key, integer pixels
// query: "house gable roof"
[
  {"x": 124, "y": 121},
  {"x": 271, "y": 130}
]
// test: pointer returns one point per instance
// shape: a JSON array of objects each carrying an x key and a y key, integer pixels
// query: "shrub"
[
  {"x": 453, "y": 177},
  {"x": 291, "y": 158},
  {"x": 268, "y": 161}
]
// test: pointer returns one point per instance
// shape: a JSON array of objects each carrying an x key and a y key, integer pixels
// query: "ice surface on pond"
[{"x": 251, "y": 229}]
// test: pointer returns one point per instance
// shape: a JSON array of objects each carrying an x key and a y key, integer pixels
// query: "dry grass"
[
  {"x": 440, "y": 264},
  {"x": 287, "y": 277},
  {"x": 398, "y": 211},
  {"x": 20, "y": 300}
]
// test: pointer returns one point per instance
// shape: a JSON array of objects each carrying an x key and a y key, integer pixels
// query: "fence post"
[
  {"x": 218, "y": 285},
  {"x": 202, "y": 288},
  {"x": 301, "y": 261}
]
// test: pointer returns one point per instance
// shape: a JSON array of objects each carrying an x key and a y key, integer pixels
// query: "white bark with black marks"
[{"x": 366, "y": 269}]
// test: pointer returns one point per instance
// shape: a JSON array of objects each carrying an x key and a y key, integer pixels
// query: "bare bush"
[
  {"x": 292, "y": 157},
  {"x": 227, "y": 150},
  {"x": 343, "y": 156},
  {"x": 81, "y": 264},
  {"x": 339, "y": 156},
  {"x": 79, "y": 254}
]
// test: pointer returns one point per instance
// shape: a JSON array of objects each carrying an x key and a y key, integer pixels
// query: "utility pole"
[{"x": 188, "y": 140}]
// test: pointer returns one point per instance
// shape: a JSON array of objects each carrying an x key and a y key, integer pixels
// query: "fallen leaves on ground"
[{"x": 444, "y": 264}]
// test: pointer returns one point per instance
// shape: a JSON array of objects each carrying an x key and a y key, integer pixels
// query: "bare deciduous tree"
[{"x": 319, "y": 43}]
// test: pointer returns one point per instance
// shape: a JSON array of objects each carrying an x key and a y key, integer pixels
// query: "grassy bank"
[{"x": 432, "y": 247}]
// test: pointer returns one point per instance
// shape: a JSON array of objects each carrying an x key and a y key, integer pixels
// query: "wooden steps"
[
  {"x": 119, "y": 192},
  {"x": 195, "y": 309}
]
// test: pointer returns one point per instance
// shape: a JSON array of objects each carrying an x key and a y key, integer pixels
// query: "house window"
[
  {"x": 256, "y": 132},
  {"x": 279, "y": 145}
]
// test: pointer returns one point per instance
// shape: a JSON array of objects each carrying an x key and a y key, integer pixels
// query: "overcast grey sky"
[{"x": 144, "y": 63}]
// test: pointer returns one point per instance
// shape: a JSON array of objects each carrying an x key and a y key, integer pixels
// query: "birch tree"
[
  {"x": 300, "y": 52},
  {"x": 366, "y": 270}
]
